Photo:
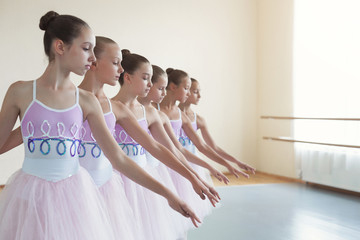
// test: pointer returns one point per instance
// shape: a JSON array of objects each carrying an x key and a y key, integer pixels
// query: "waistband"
[{"x": 52, "y": 170}]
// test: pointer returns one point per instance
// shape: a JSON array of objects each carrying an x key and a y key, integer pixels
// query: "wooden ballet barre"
[
  {"x": 285, "y": 139},
  {"x": 309, "y": 118}
]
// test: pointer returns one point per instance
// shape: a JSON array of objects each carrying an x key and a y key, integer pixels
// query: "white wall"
[
  {"x": 275, "y": 49},
  {"x": 214, "y": 41}
]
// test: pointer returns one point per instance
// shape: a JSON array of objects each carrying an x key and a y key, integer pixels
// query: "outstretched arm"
[
  {"x": 205, "y": 149},
  {"x": 131, "y": 126},
  {"x": 200, "y": 121},
  {"x": 188, "y": 155},
  {"x": 93, "y": 113},
  {"x": 159, "y": 133}
]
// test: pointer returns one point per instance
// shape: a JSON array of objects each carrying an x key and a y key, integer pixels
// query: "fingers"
[
  {"x": 234, "y": 172},
  {"x": 215, "y": 193},
  {"x": 187, "y": 212},
  {"x": 247, "y": 167},
  {"x": 242, "y": 173},
  {"x": 213, "y": 199},
  {"x": 224, "y": 178}
]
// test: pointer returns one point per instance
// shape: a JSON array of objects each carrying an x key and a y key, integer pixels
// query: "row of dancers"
[{"x": 100, "y": 168}]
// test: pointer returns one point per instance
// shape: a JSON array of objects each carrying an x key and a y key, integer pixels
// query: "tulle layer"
[
  {"x": 203, "y": 173},
  {"x": 32, "y": 208},
  {"x": 186, "y": 192},
  {"x": 179, "y": 223},
  {"x": 121, "y": 215},
  {"x": 151, "y": 211},
  {"x": 182, "y": 224}
]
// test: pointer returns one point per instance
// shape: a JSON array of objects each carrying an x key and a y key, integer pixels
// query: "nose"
[
  {"x": 199, "y": 96},
  {"x": 92, "y": 57},
  {"x": 149, "y": 83},
  {"x": 188, "y": 93},
  {"x": 121, "y": 69},
  {"x": 163, "y": 93}
]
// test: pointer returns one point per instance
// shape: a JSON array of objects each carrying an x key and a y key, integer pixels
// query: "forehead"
[
  {"x": 162, "y": 80},
  {"x": 112, "y": 50},
  {"x": 145, "y": 68},
  {"x": 186, "y": 81},
  {"x": 86, "y": 36},
  {"x": 194, "y": 85}
]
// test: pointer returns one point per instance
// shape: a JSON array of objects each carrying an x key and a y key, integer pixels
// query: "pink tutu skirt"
[
  {"x": 121, "y": 215},
  {"x": 151, "y": 210},
  {"x": 182, "y": 224},
  {"x": 32, "y": 208},
  {"x": 185, "y": 190}
]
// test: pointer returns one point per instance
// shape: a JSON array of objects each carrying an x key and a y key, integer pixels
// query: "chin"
[{"x": 80, "y": 73}]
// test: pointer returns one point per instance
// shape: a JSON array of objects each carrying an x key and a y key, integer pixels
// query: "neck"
[
  {"x": 168, "y": 102},
  {"x": 144, "y": 101},
  {"x": 126, "y": 97},
  {"x": 185, "y": 106},
  {"x": 91, "y": 84},
  {"x": 54, "y": 77}
]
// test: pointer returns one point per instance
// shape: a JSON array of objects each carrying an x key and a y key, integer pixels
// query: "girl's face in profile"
[
  {"x": 181, "y": 92},
  {"x": 108, "y": 65},
  {"x": 141, "y": 80},
  {"x": 158, "y": 90},
  {"x": 194, "y": 97},
  {"x": 79, "y": 56}
]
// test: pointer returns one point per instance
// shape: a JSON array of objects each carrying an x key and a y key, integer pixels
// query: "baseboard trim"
[
  {"x": 316, "y": 185},
  {"x": 340, "y": 190},
  {"x": 282, "y": 177}
]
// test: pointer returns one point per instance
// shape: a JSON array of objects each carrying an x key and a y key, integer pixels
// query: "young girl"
[
  {"x": 178, "y": 90},
  {"x": 106, "y": 70},
  {"x": 131, "y": 134},
  {"x": 198, "y": 122},
  {"x": 156, "y": 94},
  {"x": 51, "y": 197}
]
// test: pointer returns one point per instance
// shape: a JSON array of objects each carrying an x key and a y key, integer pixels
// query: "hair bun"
[
  {"x": 46, "y": 20},
  {"x": 169, "y": 70},
  {"x": 125, "y": 52}
]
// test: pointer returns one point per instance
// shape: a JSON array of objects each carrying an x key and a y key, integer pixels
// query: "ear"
[
  {"x": 93, "y": 65},
  {"x": 127, "y": 78},
  {"x": 172, "y": 86},
  {"x": 59, "y": 47}
]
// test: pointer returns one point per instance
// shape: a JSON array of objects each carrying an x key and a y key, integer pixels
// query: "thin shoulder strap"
[
  {"x": 77, "y": 95},
  {"x": 194, "y": 116},
  {"x": 144, "y": 112},
  {"x": 34, "y": 89},
  {"x": 179, "y": 113},
  {"x": 110, "y": 106},
  {"x": 158, "y": 106}
]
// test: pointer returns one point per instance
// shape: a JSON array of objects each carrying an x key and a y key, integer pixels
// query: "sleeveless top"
[
  {"x": 131, "y": 148},
  {"x": 185, "y": 140},
  {"x": 91, "y": 156},
  {"x": 177, "y": 125},
  {"x": 51, "y": 139}
]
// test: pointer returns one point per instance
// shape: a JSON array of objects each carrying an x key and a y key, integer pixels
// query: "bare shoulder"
[
  {"x": 118, "y": 106},
  {"x": 20, "y": 93},
  {"x": 21, "y": 87},
  {"x": 88, "y": 102},
  {"x": 151, "y": 111},
  {"x": 86, "y": 97},
  {"x": 200, "y": 118}
]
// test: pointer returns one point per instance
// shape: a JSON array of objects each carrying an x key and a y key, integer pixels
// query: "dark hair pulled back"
[
  {"x": 63, "y": 27},
  {"x": 157, "y": 73},
  {"x": 175, "y": 76},
  {"x": 130, "y": 63}
]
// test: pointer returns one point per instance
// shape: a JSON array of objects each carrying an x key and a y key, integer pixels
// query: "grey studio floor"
[{"x": 281, "y": 212}]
